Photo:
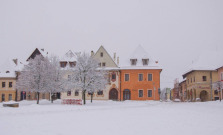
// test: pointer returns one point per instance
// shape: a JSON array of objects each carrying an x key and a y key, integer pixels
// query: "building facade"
[
  {"x": 199, "y": 85},
  {"x": 140, "y": 77}
]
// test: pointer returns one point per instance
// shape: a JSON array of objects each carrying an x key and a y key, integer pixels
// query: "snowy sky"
[{"x": 172, "y": 31}]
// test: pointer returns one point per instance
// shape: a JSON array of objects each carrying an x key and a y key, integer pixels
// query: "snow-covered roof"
[
  {"x": 69, "y": 56},
  {"x": 7, "y": 70},
  {"x": 139, "y": 53},
  {"x": 206, "y": 61}
]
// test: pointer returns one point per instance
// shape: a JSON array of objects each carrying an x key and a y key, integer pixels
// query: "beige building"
[
  {"x": 107, "y": 63},
  {"x": 199, "y": 85}
]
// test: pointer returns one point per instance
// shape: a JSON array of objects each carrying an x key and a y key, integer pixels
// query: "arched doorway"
[
  {"x": 126, "y": 94},
  {"x": 113, "y": 94},
  {"x": 204, "y": 96}
]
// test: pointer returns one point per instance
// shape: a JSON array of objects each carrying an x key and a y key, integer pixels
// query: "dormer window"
[
  {"x": 72, "y": 64},
  {"x": 101, "y": 54},
  {"x": 63, "y": 64},
  {"x": 133, "y": 61},
  {"x": 145, "y": 61}
]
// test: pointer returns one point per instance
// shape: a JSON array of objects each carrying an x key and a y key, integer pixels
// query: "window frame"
[
  {"x": 148, "y": 93},
  {"x": 139, "y": 77},
  {"x": 125, "y": 77},
  {"x": 76, "y": 93},
  {"x": 101, "y": 54},
  {"x": 151, "y": 76},
  {"x": 140, "y": 90},
  {"x": 204, "y": 78},
  {"x": 69, "y": 93},
  {"x": 3, "y": 84},
  {"x": 100, "y": 92},
  {"x": 10, "y": 84}
]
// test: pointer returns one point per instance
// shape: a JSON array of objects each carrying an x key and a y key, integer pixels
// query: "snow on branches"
[
  {"x": 87, "y": 77},
  {"x": 41, "y": 75}
]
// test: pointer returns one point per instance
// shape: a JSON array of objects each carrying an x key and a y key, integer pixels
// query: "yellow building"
[
  {"x": 8, "y": 81},
  {"x": 199, "y": 85}
]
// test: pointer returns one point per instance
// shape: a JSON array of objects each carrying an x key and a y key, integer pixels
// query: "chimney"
[
  {"x": 157, "y": 62},
  {"x": 114, "y": 57},
  {"x": 92, "y": 53},
  {"x": 15, "y": 61},
  {"x": 117, "y": 60}
]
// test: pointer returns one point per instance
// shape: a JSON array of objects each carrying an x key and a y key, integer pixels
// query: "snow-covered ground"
[{"x": 113, "y": 118}]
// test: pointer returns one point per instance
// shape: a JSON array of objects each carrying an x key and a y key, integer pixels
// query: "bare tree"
[{"x": 87, "y": 77}]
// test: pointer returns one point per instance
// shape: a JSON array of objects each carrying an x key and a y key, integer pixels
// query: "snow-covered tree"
[
  {"x": 218, "y": 86},
  {"x": 41, "y": 75},
  {"x": 56, "y": 82},
  {"x": 87, "y": 77}
]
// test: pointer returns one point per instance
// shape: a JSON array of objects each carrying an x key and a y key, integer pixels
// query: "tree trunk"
[
  {"x": 37, "y": 97},
  {"x": 16, "y": 94},
  {"x": 51, "y": 97},
  {"x": 91, "y": 97},
  {"x": 84, "y": 97}
]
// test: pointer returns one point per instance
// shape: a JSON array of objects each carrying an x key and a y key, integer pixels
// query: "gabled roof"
[
  {"x": 37, "y": 52},
  {"x": 109, "y": 56},
  {"x": 139, "y": 53},
  {"x": 69, "y": 56}
]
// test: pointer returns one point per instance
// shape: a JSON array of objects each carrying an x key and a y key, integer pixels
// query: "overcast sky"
[{"x": 171, "y": 31}]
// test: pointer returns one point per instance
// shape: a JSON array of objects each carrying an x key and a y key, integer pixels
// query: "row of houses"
[
  {"x": 135, "y": 78},
  {"x": 204, "y": 80}
]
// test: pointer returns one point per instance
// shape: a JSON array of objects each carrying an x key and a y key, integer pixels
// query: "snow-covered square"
[{"x": 113, "y": 118}]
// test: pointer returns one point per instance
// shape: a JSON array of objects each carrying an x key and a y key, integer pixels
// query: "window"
[
  {"x": 72, "y": 64},
  {"x": 69, "y": 93},
  {"x": 133, "y": 61},
  {"x": 204, "y": 78},
  {"x": 113, "y": 76},
  {"x": 149, "y": 93},
  {"x": 222, "y": 76},
  {"x": 3, "y": 84},
  {"x": 99, "y": 64},
  {"x": 140, "y": 77},
  {"x": 76, "y": 93},
  {"x": 216, "y": 92},
  {"x": 10, "y": 97},
  {"x": 150, "y": 77},
  {"x": 100, "y": 92},
  {"x": 194, "y": 79},
  {"x": 191, "y": 80},
  {"x": 43, "y": 96},
  {"x": 126, "y": 77},
  {"x": 188, "y": 81},
  {"x": 101, "y": 54},
  {"x": 10, "y": 84},
  {"x": 140, "y": 93},
  {"x": 90, "y": 93},
  {"x": 63, "y": 64},
  {"x": 103, "y": 64},
  {"x": 3, "y": 97},
  {"x": 145, "y": 61}
]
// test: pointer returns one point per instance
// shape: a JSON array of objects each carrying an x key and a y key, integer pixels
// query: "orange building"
[{"x": 140, "y": 77}]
